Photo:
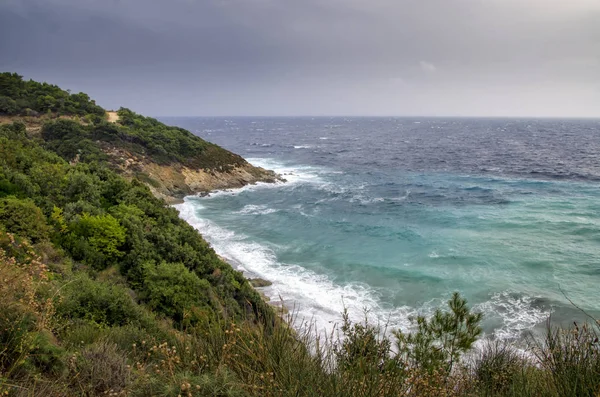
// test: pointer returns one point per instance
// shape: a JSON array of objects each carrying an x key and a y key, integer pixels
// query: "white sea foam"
[
  {"x": 256, "y": 210},
  {"x": 293, "y": 174},
  {"x": 302, "y": 147},
  {"x": 518, "y": 313},
  {"x": 365, "y": 200}
]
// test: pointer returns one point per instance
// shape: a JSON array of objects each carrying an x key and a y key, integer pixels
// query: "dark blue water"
[{"x": 392, "y": 215}]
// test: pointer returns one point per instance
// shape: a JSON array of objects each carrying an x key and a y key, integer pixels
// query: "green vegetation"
[
  {"x": 106, "y": 291},
  {"x": 85, "y": 135},
  {"x": 169, "y": 144},
  {"x": 32, "y": 98},
  {"x": 101, "y": 220}
]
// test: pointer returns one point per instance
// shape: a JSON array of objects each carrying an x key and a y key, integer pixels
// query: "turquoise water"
[{"x": 397, "y": 240}]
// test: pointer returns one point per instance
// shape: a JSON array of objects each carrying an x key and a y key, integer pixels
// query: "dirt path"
[{"x": 113, "y": 117}]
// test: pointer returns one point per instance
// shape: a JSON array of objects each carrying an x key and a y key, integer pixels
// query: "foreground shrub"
[
  {"x": 26, "y": 344},
  {"x": 572, "y": 358},
  {"x": 439, "y": 342},
  {"x": 100, "y": 369},
  {"x": 499, "y": 370},
  {"x": 363, "y": 348}
]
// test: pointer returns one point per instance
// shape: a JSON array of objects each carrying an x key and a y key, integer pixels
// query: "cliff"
[
  {"x": 174, "y": 181},
  {"x": 171, "y": 161}
]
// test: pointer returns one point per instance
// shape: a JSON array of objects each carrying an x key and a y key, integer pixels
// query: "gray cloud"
[{"x": 277, "y": 57}]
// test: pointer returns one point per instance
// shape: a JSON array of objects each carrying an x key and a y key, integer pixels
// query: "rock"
[{"x": 259, "y": 282}]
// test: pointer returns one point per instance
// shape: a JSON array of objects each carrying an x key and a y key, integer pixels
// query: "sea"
[{"x": 387, "y": 217}]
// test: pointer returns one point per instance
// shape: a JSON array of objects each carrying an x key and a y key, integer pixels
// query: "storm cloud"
[{"x": 314, "y": 57}]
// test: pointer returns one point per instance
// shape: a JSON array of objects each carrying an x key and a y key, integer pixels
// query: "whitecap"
[
  {"x": 292, "y": 173},
  {"x": 364, "y": 200},
  {"x": 518, "y": 314},
  {"x": 256, "y": 210}
]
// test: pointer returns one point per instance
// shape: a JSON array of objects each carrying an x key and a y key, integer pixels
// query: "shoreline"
[{"x": 259, "y": 284}]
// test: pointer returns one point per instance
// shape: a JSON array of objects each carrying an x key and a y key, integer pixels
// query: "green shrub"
[
  {"x": 81, "y": 333},
  {"x": 99, "y": 303},
  {"x": 61, "y": 129},
  {"x": 96, "y": 240},
  {"x": 16, "y": 130},
  {"x": 497, "y": 369},
  {"x": 24, "y": 348},
  {"x": 363, "y": 348},
  {"x": 175, "y": 291},
  {"x": 45, "y": 355},
  {"x": 24, "y": 218}
]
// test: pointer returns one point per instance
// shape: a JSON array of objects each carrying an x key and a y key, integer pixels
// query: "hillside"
[
  {"x": 171, "y": 161},
  {"x": 84, "y": 244}
]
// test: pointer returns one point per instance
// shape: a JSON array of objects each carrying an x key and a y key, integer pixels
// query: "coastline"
[{"x": 259, "y": 284}]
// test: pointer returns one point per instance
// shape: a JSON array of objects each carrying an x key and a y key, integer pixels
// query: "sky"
[{"x": 488, "y": 58}]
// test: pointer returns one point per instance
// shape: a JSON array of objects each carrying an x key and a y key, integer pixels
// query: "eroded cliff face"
[{"x": 174, "y": 181}]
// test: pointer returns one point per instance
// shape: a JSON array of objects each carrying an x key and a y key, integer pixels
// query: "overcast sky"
[{"x": 314, "y": 57}]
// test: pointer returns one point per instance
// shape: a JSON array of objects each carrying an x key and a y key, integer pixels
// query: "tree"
[
  {"x": 61, "y": 129},
  {"x": 439, "y": 342},
  {"x": 8, "y": 105},
  {"x": 11, "y": 84},
  {"x": 46, "y": 103}
]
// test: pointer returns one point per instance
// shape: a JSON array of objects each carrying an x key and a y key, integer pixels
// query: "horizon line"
[{"x": 387, "y": 116}]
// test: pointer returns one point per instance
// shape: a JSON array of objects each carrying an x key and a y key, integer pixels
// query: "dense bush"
[
  {"x": 25, "y": 344},
  {"x": 173, "y": 290},
  {"x": 96, "y": 240},
  {"x": 24, "y": 218},
  {"x": 98, "y": 302}
]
